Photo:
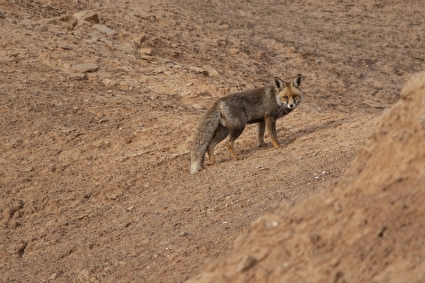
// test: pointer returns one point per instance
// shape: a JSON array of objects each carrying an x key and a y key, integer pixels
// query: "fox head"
[{"x": 289, "y": 94}]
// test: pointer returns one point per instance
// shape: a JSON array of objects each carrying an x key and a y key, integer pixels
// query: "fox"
[{"x": 230, "y": 114}]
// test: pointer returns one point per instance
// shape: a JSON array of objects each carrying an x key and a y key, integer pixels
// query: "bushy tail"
[{"x": 203, "y": 135}]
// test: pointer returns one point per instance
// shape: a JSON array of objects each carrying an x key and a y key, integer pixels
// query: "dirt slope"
[
  {"x": 94, "y": 169},
  {"x": 367, "y": 228}
]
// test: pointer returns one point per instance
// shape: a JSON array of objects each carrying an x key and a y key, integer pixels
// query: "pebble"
[
  {"x": 88, "y": 16},
  {"x": 104, "y": 29},
  {"x": 246, "y": 263},
  {"x": 199, "y": 71},
  {"x": 145, "y": 51},
  {"x": 211, "y": 71},
  {"x": 138, "y": 40},
  {"x": 85, "y": 68},
  {"x": 125, "y": 47},
  {"x": 375, "y": 104}
]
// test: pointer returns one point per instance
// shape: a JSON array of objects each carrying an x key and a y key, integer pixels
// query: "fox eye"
[
  {"x": 285, "y": 98},
  {"x": 296, "y": 97}
]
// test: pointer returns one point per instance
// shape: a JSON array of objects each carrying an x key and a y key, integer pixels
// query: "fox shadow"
[{"x": 289, "y": 139}]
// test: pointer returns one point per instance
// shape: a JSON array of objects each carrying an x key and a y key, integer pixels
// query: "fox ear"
[
  {"x": 297, "y": 81},
  {"x": 278, "y": 83}
]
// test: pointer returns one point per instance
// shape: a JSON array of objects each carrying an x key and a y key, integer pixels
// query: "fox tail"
[{"x": 203, "y": 136}]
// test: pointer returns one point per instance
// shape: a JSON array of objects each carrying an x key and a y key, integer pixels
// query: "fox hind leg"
[
  {"x": 219, "y": 135},
  {"x": 233, "y": 135}
]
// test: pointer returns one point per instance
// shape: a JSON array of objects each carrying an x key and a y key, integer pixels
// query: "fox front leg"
[
  {"x": 261, "y": 130},
  {"x": 271, "y": 127}
]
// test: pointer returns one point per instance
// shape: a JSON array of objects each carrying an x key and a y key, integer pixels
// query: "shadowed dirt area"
[{"x": 98, "y": 103}]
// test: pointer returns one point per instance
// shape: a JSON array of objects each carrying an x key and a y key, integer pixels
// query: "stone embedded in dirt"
[
  {"x": 109, "y": 82},
  {"x": 211, "y": 71},
  {"x": 145, "y": 51},
  {"x": 42, "y": 28},
  {"x": 66, "y": 21},
  {"x": 246, "y": 263},
  {"x": 2, "y": 15},
  {"x": 138, "y": 40},
  {"x": 88, "y": 16},
  {"x": 125, "y": 47},
  {"x": 198, "y": 107},
  {"x": 375, "y": 104},
  {"x": 27, "y": 23},
  {"x": 199, "y": 71},
  {"x": 85, "y": 68},
  {"x": 104, "y": 29},
  {"x": 234, "y": 50}
]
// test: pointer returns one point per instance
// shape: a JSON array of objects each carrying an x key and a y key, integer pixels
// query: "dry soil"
[{"x": 99, "y": 100}]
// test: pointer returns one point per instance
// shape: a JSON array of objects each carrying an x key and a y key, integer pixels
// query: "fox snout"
[{"x": 289, "y": 102}]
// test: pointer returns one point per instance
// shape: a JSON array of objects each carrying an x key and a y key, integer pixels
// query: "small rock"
[
  {"x": 27, "y": 23},
  {"x": 234, "y": 50},
  {"x": 88, "y": 16},
  {"x": 42, "y": 28},
  {"x": 197, "y": 106},
  {"x": 53, "y": 276},
  {"x": 138, "y": 40},
  {"x": 2, "y": 15},
  {"x": 104, "y": 29},
  {"x": 374, "y": 104},
  {"x": 85, "y": 68},
  {"x": 199, "y": 71},
  {"x": 66, "y": 21},
  {"x": 246, "y": 263},
  {"x": 125, "y": 47},
  {"x": 112, "y": 197},
  {"x": 337, "y": 207},
  {"x": 28, "y": 169},
  {"x": 272, "y": 224},
  {"x": 145, "y": 51},
  {"x": 158, "y": 70},
  {"x": 109, "y": 82},
  {"x": 211, "y": 71}
]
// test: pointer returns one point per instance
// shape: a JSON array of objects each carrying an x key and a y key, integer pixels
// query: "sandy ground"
[{"x": 94, "y": 167}]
